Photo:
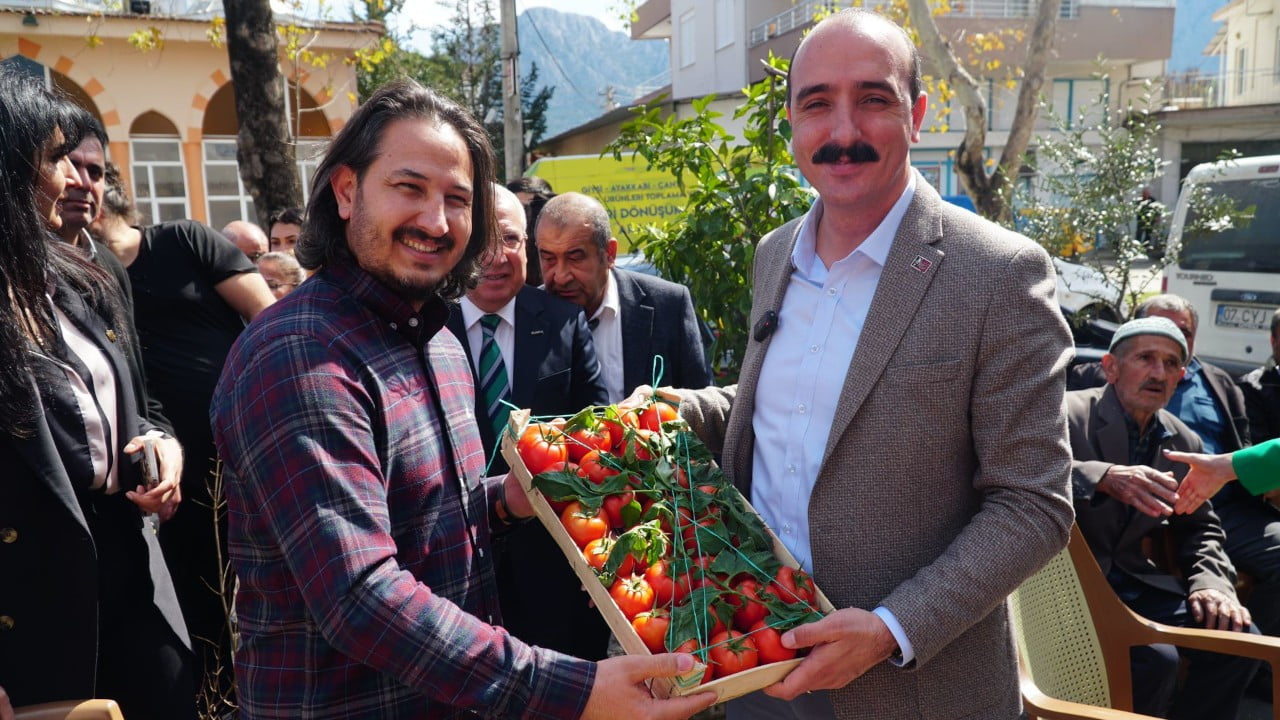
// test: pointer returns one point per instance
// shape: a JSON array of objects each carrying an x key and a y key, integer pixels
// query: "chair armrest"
[
  {"x": 1041, "y": 706},
  {"x": 70, "y": 710}
]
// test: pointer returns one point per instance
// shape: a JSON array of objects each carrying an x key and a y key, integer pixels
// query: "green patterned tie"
[{"x": 494, "y": 387}]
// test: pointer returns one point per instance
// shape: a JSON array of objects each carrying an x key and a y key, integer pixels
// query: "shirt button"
[
  {"x": 395, "y": 326},
  {"x": 787, "y": 528},
  {"x": 8, "y": 535},
  {"x": 413, "y": 322},
  {"x": 480, "y": 552},
  {"x": 791, "y": 469},
  {"x": 813, "y": 348},
  {"x": 800, "y": 408},
  {"x": 831, "y": 292},
  {"x": 6, "y": 622}
]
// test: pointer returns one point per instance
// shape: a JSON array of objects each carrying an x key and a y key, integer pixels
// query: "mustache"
[
  {"x": 1153, "y": 385},
  {"x": 859, "y": 152},
  {"x": 444, "y": 241}
]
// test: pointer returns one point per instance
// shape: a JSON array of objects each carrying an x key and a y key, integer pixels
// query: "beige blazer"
[{"x": 945, "y": 478}]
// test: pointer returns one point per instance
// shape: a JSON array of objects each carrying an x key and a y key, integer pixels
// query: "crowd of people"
[{"x": 324, "y": 399}]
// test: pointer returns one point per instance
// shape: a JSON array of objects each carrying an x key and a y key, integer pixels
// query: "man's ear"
[
  {"x": 611, "y": 250},
  {"x": 345, "y": 186},
  {"x": 1111, "y": 367}
]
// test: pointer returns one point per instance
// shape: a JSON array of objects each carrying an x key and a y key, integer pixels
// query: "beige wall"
[{"x": 176, "y": 81}]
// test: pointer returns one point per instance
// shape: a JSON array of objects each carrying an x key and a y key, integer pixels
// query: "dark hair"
[
  {"x": 531, "y": 184},
  {"x": 29, "y": 117},
  {"x": 289, "y": 216},
  {"x": 1275, "y": 322},
  {"x": 116, "y": 202},
  {"x": 859, "y": 14},
  {"x": 323, "y": 238},
  {"x": 82, "y": 124}
]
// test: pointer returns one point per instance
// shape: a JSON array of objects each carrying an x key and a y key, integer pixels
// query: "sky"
[{"x": 425, "y": 14}]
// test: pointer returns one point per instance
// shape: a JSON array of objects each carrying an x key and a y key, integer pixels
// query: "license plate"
[{"x": 1248, "y": 317}]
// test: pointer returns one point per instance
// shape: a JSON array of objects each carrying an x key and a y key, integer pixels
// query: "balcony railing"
[
  {"x": 1192, "y": 91},
  {"x": 804, "y": 12}
]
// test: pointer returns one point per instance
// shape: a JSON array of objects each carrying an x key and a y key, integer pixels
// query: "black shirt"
[{"x": 185, "y": 327}]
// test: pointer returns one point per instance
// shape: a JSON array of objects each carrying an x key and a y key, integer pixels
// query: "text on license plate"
[{"x": 1249, "y": 317}]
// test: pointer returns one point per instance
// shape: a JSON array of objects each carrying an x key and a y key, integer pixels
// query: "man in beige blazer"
[{"x": 898, "y": 420}]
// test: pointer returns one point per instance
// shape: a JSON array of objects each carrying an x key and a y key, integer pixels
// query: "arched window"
[{"x": 159, "y": 176}]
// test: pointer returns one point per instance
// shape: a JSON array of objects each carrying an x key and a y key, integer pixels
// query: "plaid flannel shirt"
[{"x": 366, "y": 588}]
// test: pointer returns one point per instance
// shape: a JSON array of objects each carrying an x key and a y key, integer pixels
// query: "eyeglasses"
[
  {"x": 512, "y": 242},
  {"x": 255, "y": 255}
]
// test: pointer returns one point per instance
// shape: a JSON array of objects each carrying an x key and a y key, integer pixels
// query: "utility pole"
[{"x": 512, "y": 121}]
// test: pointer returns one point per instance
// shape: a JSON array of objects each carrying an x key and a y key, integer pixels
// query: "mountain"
[{"x": 583, "y": 59}]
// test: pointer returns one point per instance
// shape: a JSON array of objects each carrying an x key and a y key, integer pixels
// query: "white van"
[{"x": 1232, "y": 276}]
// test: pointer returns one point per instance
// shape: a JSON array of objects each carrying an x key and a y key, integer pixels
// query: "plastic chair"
[
  {"x": 1074, "y": 637},
  {"x": 71, "y": 710}
]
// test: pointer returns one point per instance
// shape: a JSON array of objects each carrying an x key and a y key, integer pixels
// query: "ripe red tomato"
[
  {"x": 652, "y": 626},
  {"x": 584, "y": 526},
  {"x": 691, "y": 647},
  {"x": 640, "y": 443},
  {"x": 769, "y": 644},
  {"x": 792, "y": 586},
  {"x": 541, "y": 446},
  {"x": 658, "y": 575},
  {"x": 632, "y": 595},
  {"x": 613, "y": 505},
  {"x": 693, "y": 537},
  {"x": 749, "y": 610},
  {"x": 560, "y": 505},
  {"x": 596, "y": 467},
  {"x": 584, "y": 440},
  {"x": 597, "y": 554},
  {"x": 731, "y": 652},
  {"x": 658, "y": 412},
  {"x": 617, "y": 428}
]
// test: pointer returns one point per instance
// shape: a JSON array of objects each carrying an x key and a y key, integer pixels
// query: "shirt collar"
[
  {"x": 876, "y": 247},
  {"x": 472, "y": 314},
  {"x": 416, "y": 327},
  {"x": 611, "y": 302}
]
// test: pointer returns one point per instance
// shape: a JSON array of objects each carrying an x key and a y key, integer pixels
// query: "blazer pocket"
[
  {"x": 557, "y": 380},
  {"x": 923, "y": 373}
]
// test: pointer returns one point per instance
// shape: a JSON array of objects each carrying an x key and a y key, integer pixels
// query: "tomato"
[
  {"x": 769, "y": 644},
  {"x": 617, "y": 428},
  {"x": 652, "y": 626},
  {"x": 658, "y": 575},
  {"x": 596, "y": 467},
  {"x": 692, "y": 537},
  {"x": 748, "y": 608},
  {"x": 541, "y": 446},
  {"x": 597, "y": 554},
  {"x": 640, "y": 444},
  {"x": 731, "y": 652},
  {"x": 613, "y": 505},
  {"x": 582, "y": 525},
  {"x": 582, "y": 441},
  {"x": 792, "y": 586},
  {"x": 691, "y": 647},
  {"x": 652, "y": 417},
  {"x": 560, "y": 505},
  {"x": 632, "y": 595}
]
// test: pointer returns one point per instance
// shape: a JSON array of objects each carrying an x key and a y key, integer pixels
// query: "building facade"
[{"x": 159, "y": 80}]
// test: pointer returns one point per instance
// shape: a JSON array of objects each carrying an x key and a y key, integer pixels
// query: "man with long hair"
[{"x": 359, "y": 517}]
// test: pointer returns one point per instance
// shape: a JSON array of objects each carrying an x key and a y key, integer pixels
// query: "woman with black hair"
[{"x": 87, "y": 608}]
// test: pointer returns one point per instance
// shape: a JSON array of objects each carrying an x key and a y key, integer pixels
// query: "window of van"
[{"x": 1252, "y": 245}]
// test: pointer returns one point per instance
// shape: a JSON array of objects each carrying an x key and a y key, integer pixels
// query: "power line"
[{"x": 552, "y": 55}]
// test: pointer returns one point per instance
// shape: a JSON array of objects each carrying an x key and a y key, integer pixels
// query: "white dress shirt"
[
  {"x": 504, "y": 335},
  {"x": 819, "y": 324},
  {"x": 607, "y": 337},
  {"x": 97, "y": 403}
]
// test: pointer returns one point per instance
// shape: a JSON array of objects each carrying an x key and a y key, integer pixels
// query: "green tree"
[
  {"x": 1086, "y": 200},
  {"x": 737, "y": 190}
]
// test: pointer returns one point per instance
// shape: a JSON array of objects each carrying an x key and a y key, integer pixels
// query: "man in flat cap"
[{"x": 1124, "y": 490}]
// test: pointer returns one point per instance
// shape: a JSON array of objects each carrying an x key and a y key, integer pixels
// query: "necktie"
[{"x": 494, "y": 387}]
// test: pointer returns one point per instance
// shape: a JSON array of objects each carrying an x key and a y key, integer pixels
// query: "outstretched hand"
[
  {"x": 1150, "y": 491},
  {"x": 1206, "y": 477}
]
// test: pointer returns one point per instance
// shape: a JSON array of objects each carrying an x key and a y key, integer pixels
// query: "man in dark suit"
[
  {"x": 1124, "y": 488},
  {"x": 1213, "y": 406},
  {"x": 533, "y": 351},
  {"x": 634, "y": 317},
  {"x": 1261, "y": 389}
]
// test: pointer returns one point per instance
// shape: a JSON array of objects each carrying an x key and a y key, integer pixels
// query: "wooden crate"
[{"x": 726, "y": 688}]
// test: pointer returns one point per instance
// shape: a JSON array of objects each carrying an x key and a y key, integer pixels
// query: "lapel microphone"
[{"x": 765, "y": 326}]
